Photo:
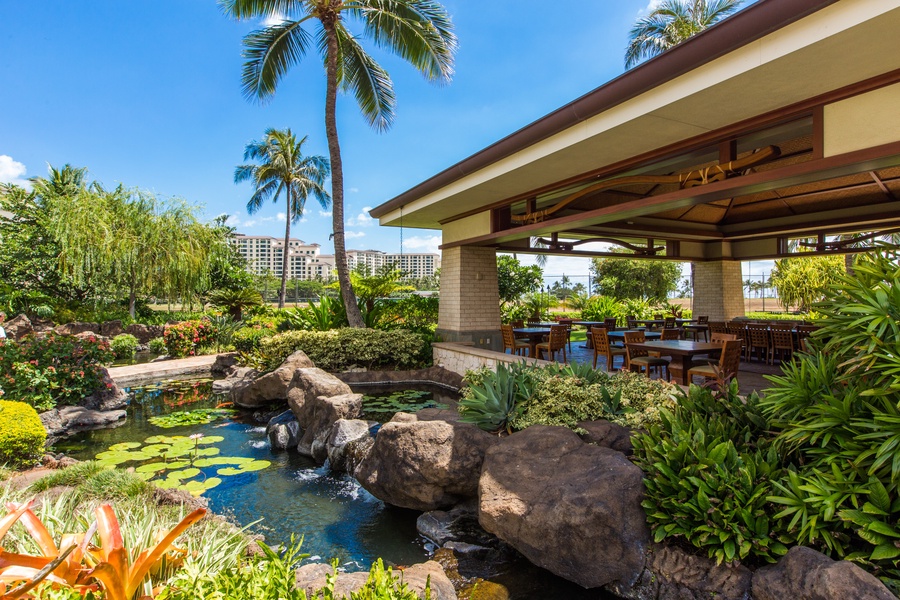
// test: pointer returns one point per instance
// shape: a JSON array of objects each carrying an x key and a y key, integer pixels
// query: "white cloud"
[
  {"x": 651, "y": 6},
  {"x": 232, "y": 221},
  {"x": 324, "y": 213},
  {"x": 281, "y": 217},
  {"x": 362, "y": 219},
  {"x": 274, "y": 19},
  {"x": 12, "y": 171},
  {"x": 354, "y": 234},
  {"x": 353, "y": 190},
  {"x": 250, "y": 223},
  {"x": 424, "y": 243}
]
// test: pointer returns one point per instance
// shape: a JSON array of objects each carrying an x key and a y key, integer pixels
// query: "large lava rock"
[
  {"x": 308, "y": 383},
  {"x": 111, "y": 329},
  {"x": 145, "y": 333},
  {"x": 424, "y": 465},
  {"x": 311, "y": 577},
  {"x": 804, "y": 574},
  {"x": 109, "y": 396},
  {"x": 569, "y": 507},
  {"x": 348, "y": 444},
  {"x": 317, "y": 417},
  {"x": 18, "y": 327},
  {"x": 253, "y": 392},
  {"x": 283, "y": 431},
  {"x": 76, "y": 327},
  {"x": 673, "y": 573}
]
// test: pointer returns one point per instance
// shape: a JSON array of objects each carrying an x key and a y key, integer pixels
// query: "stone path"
[{"x": 132, "y": 374}]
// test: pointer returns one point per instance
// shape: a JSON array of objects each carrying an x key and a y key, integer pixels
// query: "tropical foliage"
[
  {"x": 515, "y": 279},
  {"x": 803, "y": 281},
  {"x": 418, "y": 31},
  {"x": 673, "y": 22},
  {"x": 22, "y": 435},
  {"x": 52, "y": 369},
  {"x": 282, "y": 168},
  {"x": 625, "y": 278}
]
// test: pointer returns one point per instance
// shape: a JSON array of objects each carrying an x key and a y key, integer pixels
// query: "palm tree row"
[{"x": 419, "y": 31}]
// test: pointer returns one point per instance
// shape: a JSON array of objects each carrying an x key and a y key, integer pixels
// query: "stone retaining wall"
[
  {"x": 461, "y": 357},
  {"x": 432, "y": 375}
]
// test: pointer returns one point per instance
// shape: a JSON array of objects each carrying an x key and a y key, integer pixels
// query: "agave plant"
[{"x": 496, "y": 400}]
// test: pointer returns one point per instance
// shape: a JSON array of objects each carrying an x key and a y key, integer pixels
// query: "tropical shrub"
[
  {"x": 708, "y": 465},
  {"x": 598, "y": 308},
  {"x": 124, "y": 345},
  {"x": 22, "y": 435},
  {"x": 413, "y": 313},
  {"x": 186, "y": 338},
  {"x": 513, "y": 312},
  {"x": 52, "y": 369},
  {"x": 492, "y": 399},
  {"x": 247, "y": 339},
  {"x": 329, "y": 313},
  {"x": 340, "y": 349},
  {"x": 235, "y": 301},
  {"x": 157, "y": 345}
]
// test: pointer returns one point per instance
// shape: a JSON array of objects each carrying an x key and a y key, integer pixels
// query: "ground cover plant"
[
  {"x": 517, "y": 396},
  {"x": 52, "y": 369}
]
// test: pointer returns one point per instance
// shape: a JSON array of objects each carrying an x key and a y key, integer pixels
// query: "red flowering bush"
[
  {"x": 184, "y": 339},
  {"x": 52, "y": 369}
]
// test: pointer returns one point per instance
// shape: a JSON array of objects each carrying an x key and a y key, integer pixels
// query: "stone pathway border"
[{"x": 154, "y": 371}]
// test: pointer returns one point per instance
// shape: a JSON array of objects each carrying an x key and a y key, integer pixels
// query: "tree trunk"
[
  {"x": 848, "y": 263},
  {"x": 354, "y": 316},
  {"x": 285, "y": 252}
]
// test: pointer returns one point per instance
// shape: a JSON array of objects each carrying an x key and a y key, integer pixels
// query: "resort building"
[
  {"x": 775, "y": 129},
  {"x": 265, "y": 254},
  {"x": 414, "y": 266}
]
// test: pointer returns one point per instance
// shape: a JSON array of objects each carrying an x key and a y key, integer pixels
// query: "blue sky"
[{"x": 148, "y": 94}]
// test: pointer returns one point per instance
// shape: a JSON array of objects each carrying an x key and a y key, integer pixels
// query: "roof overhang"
[{"x": 771, "y": 58}]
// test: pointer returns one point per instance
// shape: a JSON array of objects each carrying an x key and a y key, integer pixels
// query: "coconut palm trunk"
[
  {"x": 354, "y": 316},
  {"x": 285, "y": 259}
]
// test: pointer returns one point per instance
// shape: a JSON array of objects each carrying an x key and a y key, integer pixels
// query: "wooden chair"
[
  {"x": 610, "y": 323},
  {"x": 668, "y": 333},
  {"x": 703, "y": 320},
  {"x": 568, "y": 324},
  {"x": 739, "y": 330},
  {"x": 556, "y": 341},
  {"x": 716, "y": 327},
  {"x": 670, "y": 323},
  {"x": 511, "y": 343},
  {"x": 600, "y": 339},
  {"x": 782, "y": 344},
  {"x": 518, "y": 324},
  {"x": 803, "y": 333},
  {"x": 721, "y": 338},
  {"x": 658, "y": 317},
  {"x": 533, "y": 320},
  {"x": 728, "y": 364},
  {"x": 759, "y": 340},
  {"x": 631, "y": 322},
  {"x": 640, "y": 360}
]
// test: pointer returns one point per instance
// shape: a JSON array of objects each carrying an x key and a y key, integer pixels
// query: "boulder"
[
  {"x": 18, "y": 327},
  {"x": 270, "y": 387},
  {"x": 671, "y": 572},
  {"x": 311, "y": 577},
  {"x": 77, "y": 327},
  {"x": 318, "y": 415},
  {"x": 90, "y": 336},
  {"x": 608, "y": 435},
  {"x": 145, "y": 333},
  {"x": 804, "y": 574},
  {"x": 348, "y": 443},
  {"x": 111, "y": 329},
  {"x": 224, "y": 363},
  {"x": 109, "y": 396},
  {"x": 311, "y": 382},
  {"x": 71, "y": 419},
  {"x": 456, "y": 529},
  {"x": 283, "y": 431},
  {"x": 424, "y": 465},
  {"x": 236, "y": 375},
  {"x": 569, "y": 507}
]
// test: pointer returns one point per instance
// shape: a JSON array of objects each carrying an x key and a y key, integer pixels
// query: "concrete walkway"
[{"x": 132, "y": 374}]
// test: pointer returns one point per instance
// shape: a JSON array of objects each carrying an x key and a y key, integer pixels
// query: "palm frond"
[
  {"x": 269, "y": 54},
  {"x": 369, "y": 82}
]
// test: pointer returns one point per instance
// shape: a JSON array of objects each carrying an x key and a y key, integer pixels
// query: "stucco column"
[
  {"x": 718, "y": 290},
  {"x": 470, "y": 299}
]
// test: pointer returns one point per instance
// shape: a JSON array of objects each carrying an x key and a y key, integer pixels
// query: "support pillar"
[
  {"x": 470, "y": 297},
  {"x": 718, "y": 290}
]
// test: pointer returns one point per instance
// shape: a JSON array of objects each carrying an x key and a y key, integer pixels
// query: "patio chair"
[
  {"x": 728, "y": 364},
  {"x": 803, "y": 333},
  {"x": 658, "y": 317},
  {"x": 782, "y": 344},
  {"x": 511, "y": 343},
  {"x": 670, "y": 323},
  {"x": 533, "y": 320},
  {"x": 716, "y": 327},
  {"x": 631, "y": 322},
  {"x": 600, "y": 340},
  {"x": 739, "y": 330},
  {"x": 668, "y": 333},
  {"x": 759, "y": 341},
  {"x": 703, "y": 320},
  {"x": 556, "y": 341},
  {"x": 639, "y": 359},
  {"x": 518, "y": 324},
  {"x": 610, "y": 323},
  {"x": 721, "y": 338},
  {"x": 568, "y": 323}
]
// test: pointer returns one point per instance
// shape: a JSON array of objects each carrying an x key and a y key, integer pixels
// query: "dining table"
[
  {"x": 534, "y": 335},
  {"x": 661, "y": 322},
  {"x": 681, "y": 351},
  {"x": 619, "y": 334}
]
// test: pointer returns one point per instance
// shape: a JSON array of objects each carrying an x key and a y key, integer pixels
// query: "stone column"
[
  {"x": 470, "y": 299},
  {"x": 718, "y": 290}
]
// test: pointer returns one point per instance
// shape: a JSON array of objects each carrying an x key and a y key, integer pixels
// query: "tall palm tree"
[
  {"x": 283, "y": 168},
  {"x": 671, "y": 23},
  {"x": 419, "y": 31}
]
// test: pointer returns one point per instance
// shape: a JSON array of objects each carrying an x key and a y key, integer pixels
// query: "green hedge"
[
  {"x": 22, "y": 434},
  {"x": 341, "y": 349}
]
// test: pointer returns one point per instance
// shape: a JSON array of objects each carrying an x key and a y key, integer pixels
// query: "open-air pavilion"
[{"x": 777, "y": 127}]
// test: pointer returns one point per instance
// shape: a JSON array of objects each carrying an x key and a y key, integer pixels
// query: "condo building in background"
[{"x": 265, "y": 254}]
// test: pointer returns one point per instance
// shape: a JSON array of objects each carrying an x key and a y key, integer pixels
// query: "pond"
[{"x": 291, "y": 494}]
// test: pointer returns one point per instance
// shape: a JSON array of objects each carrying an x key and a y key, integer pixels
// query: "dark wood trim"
[
  {"x": 818, "y": 136},
  {"x": 884, "y": 189},
  {"x": 868, "y": 159}
]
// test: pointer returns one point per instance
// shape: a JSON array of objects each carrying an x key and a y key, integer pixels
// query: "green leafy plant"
[
  {"x": 187, "y": 337},
  {"x": 157, "y": 345},
  {"x": 22, "y": 435},
  {"x": 235, "y": 301},
  {"x": 492, "y": 401},
  {"x": 124, "y": 346},
  {"x": 598, "y": 308},
  {"x": 708, "y": 466}
]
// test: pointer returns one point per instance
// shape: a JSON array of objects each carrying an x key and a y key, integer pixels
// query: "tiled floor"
[{"x": 750, "y": 376}]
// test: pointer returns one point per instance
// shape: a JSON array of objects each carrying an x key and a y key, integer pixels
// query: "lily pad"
[
  {"x": 124, "y": 446},
  {"x": 183, "y": 474},
  {"x": 221, "y": 460},
  {"x": 161, "y": 466},
  {"x": 197, "y": 487},
  {"x": 199, "y": 416},
  {"x": 254, "y": 465}
]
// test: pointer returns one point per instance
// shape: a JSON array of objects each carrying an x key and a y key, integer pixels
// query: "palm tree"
[
  {"x": 671, "y": 23},
  {"x": 418, "y": 31},
  {"x": 282, "y": 167}
]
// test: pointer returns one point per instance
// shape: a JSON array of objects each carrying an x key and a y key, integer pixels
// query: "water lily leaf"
[
  {"x": 221, "y": 460},
  {"x": 249, "y": 467},
  {"x": 197, "y": 487},
  {"x": 118, "y": 457},
  {"x": 207, "y": 451},
  {"x": 210, "y": 439},
  {"x": 124, "y": 446},
  {"x": 161, "y": 466},
  {"x": 183, "y": 474},
  {"x": 163, "y": 439}
]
